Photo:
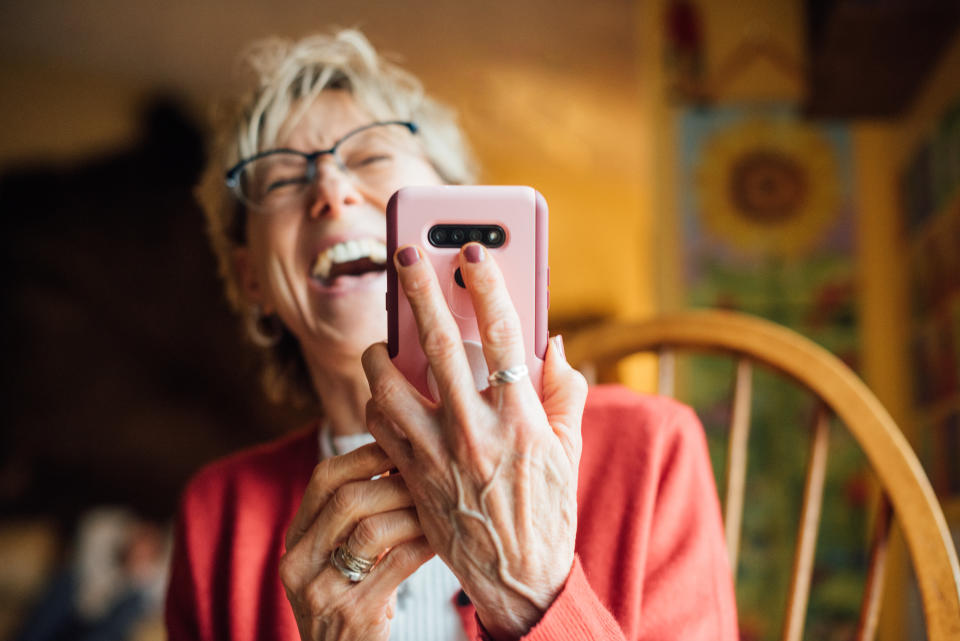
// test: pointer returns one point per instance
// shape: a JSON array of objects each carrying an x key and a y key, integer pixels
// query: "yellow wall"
[
  {"x": 575, "y": 138},
  {"x": 53, "y": 113}
]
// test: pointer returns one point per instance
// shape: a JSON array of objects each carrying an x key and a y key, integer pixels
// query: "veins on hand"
[{"x": 483, "y": 517}]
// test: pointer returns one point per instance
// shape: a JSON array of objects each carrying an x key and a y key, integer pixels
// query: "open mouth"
[{"x": 349, "y": 258}]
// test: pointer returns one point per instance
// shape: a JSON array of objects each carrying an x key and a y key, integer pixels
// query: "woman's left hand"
[{"x": 493, "y": 474}]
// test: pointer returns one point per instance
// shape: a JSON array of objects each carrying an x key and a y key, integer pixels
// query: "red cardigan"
[{"x": 650, "y": 560}]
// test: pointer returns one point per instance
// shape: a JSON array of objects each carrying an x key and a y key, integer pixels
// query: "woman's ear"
[{"x": 247, "y": 277}]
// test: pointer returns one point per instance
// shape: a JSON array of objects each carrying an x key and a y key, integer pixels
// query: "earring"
[{"x": 264, "y": 330}]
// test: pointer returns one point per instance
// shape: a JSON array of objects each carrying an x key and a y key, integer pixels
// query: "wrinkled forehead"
[{"x": 320, "y": 123}]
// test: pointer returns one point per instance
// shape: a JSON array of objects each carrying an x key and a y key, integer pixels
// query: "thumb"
[{"x": 564, "y": 397}]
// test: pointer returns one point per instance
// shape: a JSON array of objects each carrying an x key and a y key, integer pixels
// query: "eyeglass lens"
[{"x": 368, "y": 156}]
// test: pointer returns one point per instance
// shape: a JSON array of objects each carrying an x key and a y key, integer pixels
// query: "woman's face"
[{"x": 298, "y": 263}]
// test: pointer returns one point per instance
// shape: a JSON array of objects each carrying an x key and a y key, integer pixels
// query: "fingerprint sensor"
[{"x": 478, "y": 367}]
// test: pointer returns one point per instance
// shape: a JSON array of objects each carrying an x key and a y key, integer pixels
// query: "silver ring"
[
  {"x": 353, "y": 567},
  {"x": 510, "y": 375}
]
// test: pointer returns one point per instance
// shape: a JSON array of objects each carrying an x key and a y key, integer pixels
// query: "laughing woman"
[{"x": 589, "y": 515}]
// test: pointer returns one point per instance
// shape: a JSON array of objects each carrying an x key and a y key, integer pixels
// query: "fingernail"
[
  {"x": 558, "y": 342},
  {"x": 408, "y": 256},
  {"x": 474, "y": 253}
]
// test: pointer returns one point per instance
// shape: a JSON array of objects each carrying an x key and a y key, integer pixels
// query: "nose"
[{"x": 335, "y": 192}]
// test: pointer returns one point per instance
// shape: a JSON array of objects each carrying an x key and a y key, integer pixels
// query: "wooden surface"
[
  {"x": 799, "y": 593},
  {"x": 666, "y": 372},
  {"x": 894, "y": 462},
  {"x": 736, "y": 472},
  {"x": 873, "y": 588}
]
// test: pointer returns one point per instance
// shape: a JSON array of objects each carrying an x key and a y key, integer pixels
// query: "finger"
[
  {"x": 500, "y": 330},
  {"x": 564, "y": 397},
  {"x": 388, "y": 436},
  {"x": 439, "y": 335},
  {"x": 362, "y": 463},
  {"x": 395, "y": 398},
  {"x": 351, "y": 503},
  {"x": 399, "y": 563},
  {"x": 376, "y": 534}
]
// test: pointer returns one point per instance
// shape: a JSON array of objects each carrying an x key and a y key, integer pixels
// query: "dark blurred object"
[
  {"x": 116, "y": 580},
  {"x": 122, "y": 366},
  {"x": 868, "y": 58}
]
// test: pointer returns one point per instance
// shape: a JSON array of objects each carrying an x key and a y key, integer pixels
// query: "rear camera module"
[{"x": 455, "y": 235}]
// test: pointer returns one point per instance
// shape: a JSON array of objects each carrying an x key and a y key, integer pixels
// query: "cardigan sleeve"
[{"x": 576, "y": 614}]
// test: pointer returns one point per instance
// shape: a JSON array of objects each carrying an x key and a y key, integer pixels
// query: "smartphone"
[{"x": 511, "y": 222}]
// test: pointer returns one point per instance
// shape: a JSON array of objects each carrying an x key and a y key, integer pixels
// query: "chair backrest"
[{"x": 905, "y": 488}]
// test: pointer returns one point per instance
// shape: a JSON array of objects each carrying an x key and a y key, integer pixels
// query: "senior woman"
[{"x": 499, "y": 520}]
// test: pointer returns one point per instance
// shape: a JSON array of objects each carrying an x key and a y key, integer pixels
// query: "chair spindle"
[
  {"x": 873, "y": 587},
  {"x": 736, "y": 471},
  {"x": 807, "y": 531},
  {"x": 666, "y": 372}
]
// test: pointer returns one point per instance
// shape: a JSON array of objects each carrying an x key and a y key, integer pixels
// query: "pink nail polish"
[
  {"x": 474, "y": 253},
  {"x": 558, "y": 341},
  {"x": 408, "y": 256}
]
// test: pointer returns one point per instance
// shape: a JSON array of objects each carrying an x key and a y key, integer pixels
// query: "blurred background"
[{"x": 797, "y": 159}]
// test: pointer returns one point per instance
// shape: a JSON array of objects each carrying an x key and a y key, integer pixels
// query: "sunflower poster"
[
  {"x": 768, "y": 218},
  {"x": 767, "y": 211}
]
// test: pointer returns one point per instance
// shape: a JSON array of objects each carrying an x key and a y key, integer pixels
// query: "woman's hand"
[
  {"x": 493, "y": 474},
  {"x": 341, "y": 503}
]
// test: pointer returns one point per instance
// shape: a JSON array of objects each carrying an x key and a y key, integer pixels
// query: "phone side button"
[
  {"x": 548, "y": 277},
  {"x": 386, "y": 301},
  {"x": 548, "y": 299}
]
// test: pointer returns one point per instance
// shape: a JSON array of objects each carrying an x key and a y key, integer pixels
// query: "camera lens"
[
  {"x": 438, "y": 236},
  {"x": 475, "y": 235},
  {"x": 457, "y": 235},
  {"x": 494, "y": 237}
]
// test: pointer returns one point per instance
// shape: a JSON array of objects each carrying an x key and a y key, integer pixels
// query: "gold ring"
[{"x": 353, "y": 567}]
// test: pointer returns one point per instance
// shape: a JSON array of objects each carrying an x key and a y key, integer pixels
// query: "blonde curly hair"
[{"x": 288, "y": 76}]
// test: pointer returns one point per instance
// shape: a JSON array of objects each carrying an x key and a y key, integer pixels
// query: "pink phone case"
[{"x": 522, "y": 213}]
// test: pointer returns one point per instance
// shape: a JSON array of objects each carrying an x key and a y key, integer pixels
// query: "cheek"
[
  {"x": 274, "y": 239},
  {"x": 273, "y": 249}
]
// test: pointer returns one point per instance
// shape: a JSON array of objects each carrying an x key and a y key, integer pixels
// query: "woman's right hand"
[{"x": 340, "y": 504}]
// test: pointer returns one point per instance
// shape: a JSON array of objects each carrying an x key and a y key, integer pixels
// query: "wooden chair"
[{"x": 905, "y": 487}]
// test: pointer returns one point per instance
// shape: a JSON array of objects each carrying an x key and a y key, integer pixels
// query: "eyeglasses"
[{"x": 281, "y": 178}]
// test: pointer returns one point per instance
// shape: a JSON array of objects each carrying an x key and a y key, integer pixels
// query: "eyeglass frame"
[{"x": 232, "y": 176}]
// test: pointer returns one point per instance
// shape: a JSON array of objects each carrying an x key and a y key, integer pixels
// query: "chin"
[{"x": 355, "y": 313}]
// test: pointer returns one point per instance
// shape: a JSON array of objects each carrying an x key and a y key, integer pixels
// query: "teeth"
[{"x": 348, "y": 251}]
